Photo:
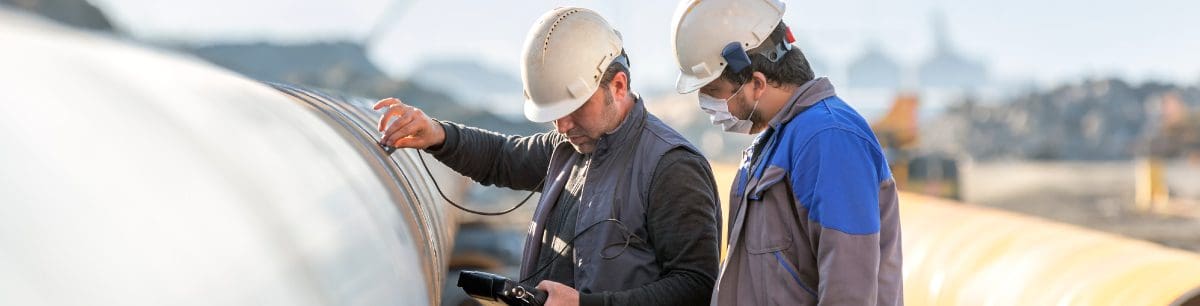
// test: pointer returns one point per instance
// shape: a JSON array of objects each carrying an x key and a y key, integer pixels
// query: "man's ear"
[
  {"x": 760, "y": 83},
  {"x": 619, "y": 85}
]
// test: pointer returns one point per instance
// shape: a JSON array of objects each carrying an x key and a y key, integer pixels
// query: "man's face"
[
  {"x": 739, "y": 104},
  {"x": 585, "y": 125}
]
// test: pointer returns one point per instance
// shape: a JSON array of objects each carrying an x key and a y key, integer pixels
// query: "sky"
[{"x": 1036, "y": 41}]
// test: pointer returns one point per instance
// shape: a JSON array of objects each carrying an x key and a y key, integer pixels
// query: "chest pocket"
[{"x": 770, "y": 218}]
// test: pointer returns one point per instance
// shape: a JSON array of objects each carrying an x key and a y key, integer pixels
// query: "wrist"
[{"x": 441, "y": 135}]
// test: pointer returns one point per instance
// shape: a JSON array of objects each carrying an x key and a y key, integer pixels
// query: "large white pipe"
[{"x": 131, "y": 176}]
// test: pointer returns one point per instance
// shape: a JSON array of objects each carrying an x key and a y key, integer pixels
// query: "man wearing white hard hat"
[
  {"x": 815, "y": 210},
  {"x": 628, "y": 213}
]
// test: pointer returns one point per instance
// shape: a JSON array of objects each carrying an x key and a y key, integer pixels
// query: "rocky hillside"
[{"x": 1091, "y": 120}]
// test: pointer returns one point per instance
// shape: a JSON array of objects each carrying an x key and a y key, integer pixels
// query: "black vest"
[{"x": 615, "y": 187}]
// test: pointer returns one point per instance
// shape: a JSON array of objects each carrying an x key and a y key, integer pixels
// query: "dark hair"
[
  {"x": 792, "y": 68},
  {"x": 613, "y": 68}
]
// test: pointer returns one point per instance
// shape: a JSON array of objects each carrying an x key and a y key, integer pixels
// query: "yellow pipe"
[
  {"x": 725, "y": 174},
  {"x": 958, "y": 254}
]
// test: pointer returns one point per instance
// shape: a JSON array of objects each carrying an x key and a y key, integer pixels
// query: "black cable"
[
  {"x": 571, "y": 246},
  {"x": 389, "y": 149}
]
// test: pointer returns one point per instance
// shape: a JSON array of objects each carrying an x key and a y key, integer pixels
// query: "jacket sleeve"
[
  {"x": 837, "y": 178},
  {"x": 683, "y": 226},
  {"x": 490, "y": 158}
]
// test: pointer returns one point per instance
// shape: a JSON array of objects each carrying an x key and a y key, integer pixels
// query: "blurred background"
[{"x": 1084, "y": 112}]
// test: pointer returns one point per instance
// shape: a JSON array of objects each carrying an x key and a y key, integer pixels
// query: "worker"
[
  {"x": 628, "y": 213},
  {"x": 815, "y": 208}
]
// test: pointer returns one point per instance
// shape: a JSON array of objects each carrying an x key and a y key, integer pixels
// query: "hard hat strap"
[{"x": 738, "y": 59}]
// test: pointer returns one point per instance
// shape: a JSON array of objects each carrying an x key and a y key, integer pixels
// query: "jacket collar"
[
  {"x": 806, "y": 95},
  {"x": 629, "y": 128}
]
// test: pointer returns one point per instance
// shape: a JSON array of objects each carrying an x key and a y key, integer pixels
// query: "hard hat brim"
[
  {"x": 559, "y": 109},
  {"x": 686, "y": 83}
]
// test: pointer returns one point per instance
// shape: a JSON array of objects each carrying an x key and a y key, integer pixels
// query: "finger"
[
  {"x": 392, "y": 112},
  {"x": 546, "y": 285},
  {"x": 385, "y": 103},
  {"x": 395, "y": 130},
  {"x": 409, "y": 130},
  {"x": 383, "y": 120},
  {"x": 407, "y": 142}
]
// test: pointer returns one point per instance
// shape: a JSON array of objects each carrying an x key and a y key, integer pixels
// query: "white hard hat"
[
  {"x": 707, "y": 32},
  {"x": 566, "y": 54}
]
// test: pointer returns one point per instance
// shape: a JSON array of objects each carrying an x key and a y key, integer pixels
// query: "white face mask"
[{"x": 718, "y": 113}]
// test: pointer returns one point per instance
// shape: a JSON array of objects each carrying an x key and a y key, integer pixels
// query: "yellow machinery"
[
  {"x": 915, "y": 171},
  {"x": 899, "y": 129},
  {"x": 1151, "y": 194},
  {"x": 1177, "y": 136}
]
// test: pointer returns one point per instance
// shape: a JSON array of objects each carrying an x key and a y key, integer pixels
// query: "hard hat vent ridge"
[{"x": 550, "y": 32}]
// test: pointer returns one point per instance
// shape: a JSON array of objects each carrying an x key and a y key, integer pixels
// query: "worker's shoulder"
[
  {"x": 829, "y": 116},
  {"x": 681, "y": 157},
  {"x": 657, "y": 130}
]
